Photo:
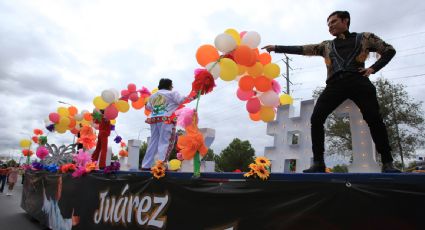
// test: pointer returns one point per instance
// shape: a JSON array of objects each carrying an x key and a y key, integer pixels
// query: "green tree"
[
  {"x": 340, "y": 169},
  {"x": 402, "y": 116},
  {"x": 238, "y": 155},
  {"x": 210, "y": 156}
]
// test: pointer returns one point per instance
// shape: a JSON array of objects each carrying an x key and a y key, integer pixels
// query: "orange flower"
[
  {"x": 262, "y": 172},
  {"x": 123, "y": 153},
  {"x": 90, "y": 166},
  {"x": 253, "y": 167},
  {"x": 249, "y": 174},
  {"x": 159, "y": 174},
  {"x": 191, "y": 142},
  {"x": 38, "y": 132},
  {"x": 262, "y": 161}
]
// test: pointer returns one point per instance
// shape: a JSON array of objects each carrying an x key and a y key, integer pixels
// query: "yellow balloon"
[
  {"x": 154, "y": 90},
  {"x": 235, "y": 35},
  {"x": 63, "y": 111},
  {"x": 64, "y": 121},
  {"x": 228, "y": 69},
  {"x": 113, "y": 122},
  {"x": 267, "y": 113},
  {"x": 99, "y": 103},
  {"x": 25, "y": 143},
  {"x": 60, "y": 128},
  {"x": 285, "y": 99},
  {"x": 271, "y": 70},
  {"x": 122, "y": 106},
  {"x": 174, "y": 165},
  {"x": 241, "y": 69},
  {"x": 255, "y": 70}
]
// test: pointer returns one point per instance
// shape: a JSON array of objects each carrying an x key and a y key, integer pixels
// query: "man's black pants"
[{"x": 362, "y": 92}]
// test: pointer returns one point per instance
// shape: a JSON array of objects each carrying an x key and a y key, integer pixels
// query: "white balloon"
[
  {"x": 116, "y": 94},
  {"x": 225, "y": 43},
  {"x": 269, "y": 98},
  {"x": 214, "y": 69},
  {"x": 108, "y": 96},
  {"x": 251, "y": 39},
  {"x": 79, "y": 117}
]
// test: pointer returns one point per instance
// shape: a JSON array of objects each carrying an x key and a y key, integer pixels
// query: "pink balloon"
[
  {"x": 134, "y": 97},
  {"x": 276, "y": 86},
  {"x": 111, "y": 112},
  {"x": 54, "y": 117},
  {"x": 131, "y": 87},
  {"x": 253, "y": 105},
  {"x": 241, "y": 34},
  {"x": 124, "y": 92},
  {"x": 244, "y": 95}
]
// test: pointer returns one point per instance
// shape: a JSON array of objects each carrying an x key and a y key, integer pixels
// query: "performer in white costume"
[{"x": 163, "y": 129}]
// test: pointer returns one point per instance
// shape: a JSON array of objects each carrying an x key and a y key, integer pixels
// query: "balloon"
[
  {"x": 72, "y": 110},
  {"x": 243, "y": 55},
  {"x": 122, "y": 106},
  {"x": 244, "y": 95},
  {"x": 25, "y": 143},
  {"x": 108, "y": 96},
  {"x": 111, "y": 112},
  {"x": 63, "y": 111},
  {"x": 241, "y": 69},
  {"x": 265, "y": 58},
  {"x": 34, "y": 139},
  {"x": 251, "y": 39},
  {"x": 99, "y": 103},
  {"x": 64, "y": 121},
  {"x": 285, "y": 99},
  {"x": 206, "y": 54},
  {"x": 271, "y": 70},
  {"x": 174, "y": 164},
  {"x": 276, "y": 86},
  {"x": 263, "y": 84},
  {"x": 214, "y": 69},
  {"x": 228, "y": 69},
  {"x": 234, "y": 34},
  {"x": 270, "y": 98},
  {"x": 241, "y": 34},
  {"x": 246, "y": 83},
  {"x": 72, "y": 123},
  {"x": 78, "y": 117},
  {"x": 267, "y": 114},
  {"x": 253, "y": 105},
  {"x": 255, "y": 116},
  {"x": 113, "y": 122},
  {"x": 139, "y": 103},
  {"x": 74, "y": 131},
  {"x": 54, "y": 117},
  {"x": 255, "y": 70},
  {"x": 131, "y": 87},
  {"x": 225, "y": 43},
  {"x": 116, "y": 94},
  {"x": 60, "y": 128},
  {"x": 87, "y": 116},
  {"x": 134, "y": 96},
  {"x": 124, "y": 93}
]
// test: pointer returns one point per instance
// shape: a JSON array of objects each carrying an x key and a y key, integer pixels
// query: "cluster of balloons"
[
  {"x": 68, "y": 118},
  {"x": 235, "y": 56},
  {"x": 110, "y": 103}
]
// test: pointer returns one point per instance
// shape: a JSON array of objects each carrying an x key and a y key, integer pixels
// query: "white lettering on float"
[{"x": 148, "y": 209}]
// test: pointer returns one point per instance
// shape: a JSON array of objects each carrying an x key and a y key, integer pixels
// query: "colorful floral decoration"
[
  {"x": 204, "y": 82},
  {"x": 27, "y": 152},
  {"x": 158, "y": 171},
  {"x": 36, "y": 166},
  {"x": 115, "y": 166},
  {"x": 193, "y": 140},
  {"x": 87, "y": 137},
  {"x": 259, "y": 169},
  {"x": 123, "y": 152},
  {"x": 66, "y": 168},
  {"x": 42, "y": 152}
]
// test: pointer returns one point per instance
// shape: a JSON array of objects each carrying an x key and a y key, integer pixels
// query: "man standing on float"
[
  {"x": 162, "y": 105},
  {"x": 347, "y": 79}
]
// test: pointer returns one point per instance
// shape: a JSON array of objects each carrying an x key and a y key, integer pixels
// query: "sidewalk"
[{"x": 12, "y": 216}]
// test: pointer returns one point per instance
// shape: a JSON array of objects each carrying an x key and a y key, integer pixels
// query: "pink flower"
[
  {"x": 42, "y": 152},
  {"x": 79, "y": 172},
  {"x": 82, "y": 158}
]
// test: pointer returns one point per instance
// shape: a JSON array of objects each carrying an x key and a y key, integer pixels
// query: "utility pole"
[{"x": 288, "y": 82}]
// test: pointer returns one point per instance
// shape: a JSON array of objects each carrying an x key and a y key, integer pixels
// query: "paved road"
[{"x": 12, "y": 216}]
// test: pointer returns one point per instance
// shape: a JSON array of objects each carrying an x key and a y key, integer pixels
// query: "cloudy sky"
[{"x": 70, "y": 51}]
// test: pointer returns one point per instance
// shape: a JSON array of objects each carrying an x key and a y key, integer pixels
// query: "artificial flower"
[
  {"x": 27, "y": 152},
  {"x": 82, "y": 158},
  {"x": 262, "y": 172},
  {"x": 262, "y": 161},
  {"x": 37, "y": 166},
  {"x": 204, "y": 82},
  {"x": 79, "y": 172},
  {"x": 118, "y": 139},
  {"x": 90, "y": 166},
  {"x": 42, "y": 152},
  {"x": 38, "y": 132},
  {"x": 123, "y": 153},
  {"x": 68, "y": 168}
]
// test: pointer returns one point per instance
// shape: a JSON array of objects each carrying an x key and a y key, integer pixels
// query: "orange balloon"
[
  {"x": 254, "y": 57},
  {"x": 72, "y": 110},
  {"x": 74, "y": 131},
  {"x": 147, "y": 112},
  {"x": 255, "y": 116},
  {"x": 72, "y": 123},
  {"x": 243, "y": 55},
  {"x": 246, "y": 83},
  {"x": 139, "y": 103},
  {"x": 265, "y": 58},
  {"x": 263, "y": 84},
  {"x": 206, "y": 54},
  {"x": 88, "y": 117}
]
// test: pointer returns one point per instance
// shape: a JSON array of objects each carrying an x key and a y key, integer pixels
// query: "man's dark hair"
[
  {"x": 165, "y": 83},
  {"x": 342, "y": 15}
]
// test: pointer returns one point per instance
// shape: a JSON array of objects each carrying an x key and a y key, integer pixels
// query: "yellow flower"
[
  {"x": 262, "y": 161},
  {"x": 159, "y": 174},
  {"x": 262, "y": 172},
  {"x": 249, "y": 174},
  {"x": 253, "y": 166}
]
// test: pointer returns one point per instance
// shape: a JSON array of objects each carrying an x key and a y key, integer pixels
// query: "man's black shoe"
[
  {"x": 317, "y": 167},
  {"x": 389, "y": 168}
]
